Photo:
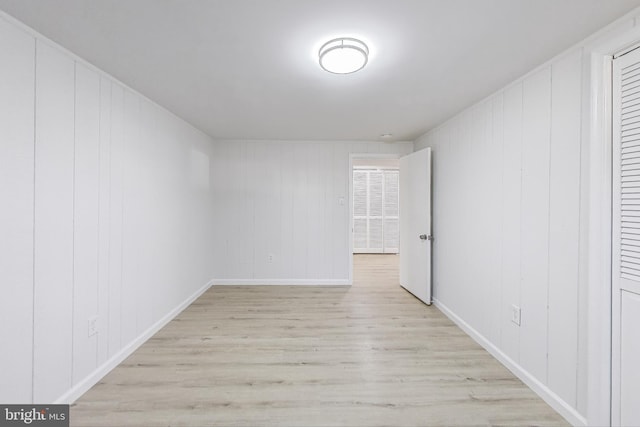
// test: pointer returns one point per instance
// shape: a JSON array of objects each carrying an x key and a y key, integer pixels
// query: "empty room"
[{"x": 319, "y": 213}]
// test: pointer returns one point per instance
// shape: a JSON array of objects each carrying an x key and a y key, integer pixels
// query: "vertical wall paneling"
[
  {"x": 85, "y": 220},
  {"x": 583, "y": 268},
  {"x": 116, "y": 189},
  {"x": 131, "y": 216},
  {"x": 267, "y": 251},
  {"x": 104, "y": 175},
  {"x": 163, "y": 227},
  {"x": 517, "y": 159},
  {"x": 234, "y": 203},
  {"x": 536, "y": 125},
  {"x": 326, "y": 179},
  {"x": 247, "y": 225},
  {"x": 314, "y": 195},
  {"x": 286, "y": 205},
  {"x": 564, "y": 208},
  {"x": 340, "y": 220},
  {"x": 227, "y": 189},
  {"x": 106, "y": 224},
  {"x": 487, "y": 197},
  {"x": 318, "y": 254},
  {"x": 54, "y": 153},
  {"x": 287, "y": 200},
  {"x": 472, "y": 141},
  {"x": 511, "y": 218},
  {"x": 17, "y": 50},
  {"x": 496, "y": 199},
  {"x": 146, "y": 156},
  {"x": 300, "y": 220}
]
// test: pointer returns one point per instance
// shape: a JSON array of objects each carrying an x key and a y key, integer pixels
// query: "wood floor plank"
[{"x": 366, "y": 355}]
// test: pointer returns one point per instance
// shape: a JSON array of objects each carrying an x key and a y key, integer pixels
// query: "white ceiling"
[{"x": 247, "y": 69}]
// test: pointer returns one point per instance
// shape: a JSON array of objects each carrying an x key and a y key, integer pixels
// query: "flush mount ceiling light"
[{"x": 343, "y": 55}]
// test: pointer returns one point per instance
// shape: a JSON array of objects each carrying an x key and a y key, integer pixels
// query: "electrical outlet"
[
  {"x": 93, "y": 325},
  {"x": 270, "y": 258},
  {"x": 515, "y": 314}
]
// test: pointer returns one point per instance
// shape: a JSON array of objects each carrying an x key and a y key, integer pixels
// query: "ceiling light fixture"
[{"x": 343, "y": 55}]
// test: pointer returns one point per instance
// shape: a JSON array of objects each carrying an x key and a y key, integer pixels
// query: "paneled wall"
[
  {"x": 54, "y": 224},
  {"x": 105, "y": 219},
  {"x": 283, "y": 209},
  {"x": 16, "y": 212},
  {"x": 507, "y": 223}
]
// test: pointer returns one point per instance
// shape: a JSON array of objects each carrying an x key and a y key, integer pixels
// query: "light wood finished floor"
[{"x": 369, "y": 355}]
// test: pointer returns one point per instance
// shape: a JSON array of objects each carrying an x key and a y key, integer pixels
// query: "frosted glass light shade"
[{"x": 343, "y": 55}]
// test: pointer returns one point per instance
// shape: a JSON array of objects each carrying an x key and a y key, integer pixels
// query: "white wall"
[
  {"x": 506, "y": 206},
  {"x": 116, "y": 209},
  {"x": 283, "y": 199},
  {"x": 16, "y": 212},
  {"x": 509, "y": 173},
  {"x": 106, "y": 212}
]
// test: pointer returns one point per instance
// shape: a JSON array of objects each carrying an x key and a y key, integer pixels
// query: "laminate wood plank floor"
[{"x": 366, "y": 355}]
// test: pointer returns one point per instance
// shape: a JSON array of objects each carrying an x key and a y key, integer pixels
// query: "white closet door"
[
  {"x": 375, "y": 211},
  {"x": 391, "y": 211},
  {"x": 625, "y": 410},
  {"x": 360, "y": 234},
  {"x": 376, "y": 206}
]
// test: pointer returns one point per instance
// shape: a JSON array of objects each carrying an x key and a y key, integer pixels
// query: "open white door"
[{"x": 415, "y": 224}]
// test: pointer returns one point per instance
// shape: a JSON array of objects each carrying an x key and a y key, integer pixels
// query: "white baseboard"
[
  {"x": 555, "y": 401},
  {"x": 92, "y": 379},
  {"x": 281, "y": 282}
]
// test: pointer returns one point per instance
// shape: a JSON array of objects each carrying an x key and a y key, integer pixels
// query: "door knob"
[{"x": 423, "y": 237}]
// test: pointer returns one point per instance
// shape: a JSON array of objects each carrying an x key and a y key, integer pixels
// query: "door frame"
[
  {"x": 350, "y": 174},
  {"x": 596, "y": 216}
]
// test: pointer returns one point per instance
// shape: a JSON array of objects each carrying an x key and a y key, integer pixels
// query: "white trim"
[
  {"x": 376, "y": 168},
  {"x": 562, "y": 407},
  {"x": 350, "y": 213},
  {"x": 626, "y": 50},
  {"x": 597, "y": 114},
  {"x": 282, "y": 282},
  {"x": 92, "y": 379},
  {"x": 318, "y": 141}
]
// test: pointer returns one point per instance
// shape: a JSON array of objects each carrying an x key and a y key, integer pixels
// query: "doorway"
[
  {"x": 404, "y": 210},
  {"x": 370, "y": 228},
  {"x": 376, "y": 204}
]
